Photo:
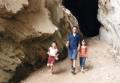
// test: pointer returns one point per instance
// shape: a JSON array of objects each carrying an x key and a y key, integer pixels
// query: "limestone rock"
[
  {"x": 10, "y": 7},
  {"x": 108, "y": 15}
]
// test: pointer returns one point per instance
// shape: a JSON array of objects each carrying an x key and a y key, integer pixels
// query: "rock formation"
[
  {"x": 27, "y": 28},
  {"x": 108, "y": 15}
]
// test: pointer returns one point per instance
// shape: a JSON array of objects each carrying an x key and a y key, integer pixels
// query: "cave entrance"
[{"x": 86, "y": 13}]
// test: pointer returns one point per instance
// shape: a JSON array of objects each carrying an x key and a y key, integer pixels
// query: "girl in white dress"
[{"x": 53, "y": 56}]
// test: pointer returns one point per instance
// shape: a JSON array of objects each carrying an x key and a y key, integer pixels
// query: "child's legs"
[
  {"x": 83, "y": 62},
  {"x": 51, "y": 61},
  {"x": 52, "y": 64},
  {"x": 81, "y": 58},
  {"x": 51, "y": 68}
]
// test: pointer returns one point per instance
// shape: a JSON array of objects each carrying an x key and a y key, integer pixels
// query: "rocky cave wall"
[
  {"x": 109, "y": 16},
  {"x": 27, "y": 28}
]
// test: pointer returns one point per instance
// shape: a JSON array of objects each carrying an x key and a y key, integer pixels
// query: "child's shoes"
[{"x": 82, "y": 70}]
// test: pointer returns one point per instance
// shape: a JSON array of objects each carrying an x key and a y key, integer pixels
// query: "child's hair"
[
  {"x": 83, "y": 41},
  {"x": 55, "y": 43}
]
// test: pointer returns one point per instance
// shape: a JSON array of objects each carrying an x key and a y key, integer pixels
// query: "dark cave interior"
[{"x": 86, "y": 13}]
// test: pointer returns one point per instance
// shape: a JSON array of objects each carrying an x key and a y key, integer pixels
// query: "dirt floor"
[{"x": 101, "y": 67}]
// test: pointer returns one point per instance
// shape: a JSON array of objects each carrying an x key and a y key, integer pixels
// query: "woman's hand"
[
  {"x": 67, "y": 44},
  {"x": 78, "y": 49}
]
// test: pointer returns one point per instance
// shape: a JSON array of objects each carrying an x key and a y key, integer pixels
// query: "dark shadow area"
[
  {"x": 88, "y": 67},
  {"x": 24, "y": 70},
  {"x": 86, "y": 13},
  {"x": 59, "y": 71}
]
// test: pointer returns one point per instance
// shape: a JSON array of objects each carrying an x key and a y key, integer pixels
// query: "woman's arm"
[{"x": 78, "y": 47}]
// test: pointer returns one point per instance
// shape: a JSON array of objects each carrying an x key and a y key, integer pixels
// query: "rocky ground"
[{"x": 101, "y": 67}]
